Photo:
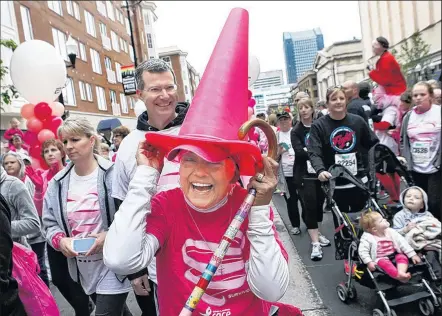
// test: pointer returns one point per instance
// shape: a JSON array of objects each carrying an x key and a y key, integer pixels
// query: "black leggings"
[
  {"x": 110, "y": 305},
  {"x": 292, "y": 202},
  {"x": 348, "y": 200},
  {"x": 430, "y": 183},
  {"x": 39, "y": 249},
  {"x": 312, "y": 200},
  {"x": 72, "y": 291},
  {"x": 147, "y": 304}
]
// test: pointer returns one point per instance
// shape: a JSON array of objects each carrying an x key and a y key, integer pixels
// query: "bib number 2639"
[{"x": 349, "y": 161}]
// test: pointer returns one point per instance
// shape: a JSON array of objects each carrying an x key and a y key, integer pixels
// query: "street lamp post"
[
  {"x": 72, "y": 51},
  {"x": 417, "y": 71}
]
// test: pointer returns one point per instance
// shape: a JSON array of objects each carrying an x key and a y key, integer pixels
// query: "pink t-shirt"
[
  {"x": 385, "y": 247},
  {"x": 83, "y": 209},
  {"x": 184, "y": 255}
]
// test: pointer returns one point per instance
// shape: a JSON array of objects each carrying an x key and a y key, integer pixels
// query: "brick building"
[
  {"x": 187, "y": 77},
  {"x": 102, "y": 33}
]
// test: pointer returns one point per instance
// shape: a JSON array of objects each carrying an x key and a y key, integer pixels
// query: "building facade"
[
  {"x": 102, "y": 32},
  {"x": 187, "y": 77},
  {"x": 268, "y": 79},
  {"x": 271, "y": 98},
  {"x": 308, "y": 83},
  {"x": 337, "y": 63},
  {"x": 300, "y": 51},
  {"x": 398, "y": 21}
]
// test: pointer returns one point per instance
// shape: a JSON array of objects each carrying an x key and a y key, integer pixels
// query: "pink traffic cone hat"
[{"x": 219, "y": 107}]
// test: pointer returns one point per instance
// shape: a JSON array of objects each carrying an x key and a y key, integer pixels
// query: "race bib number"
[
  {"x": 349, "y": 161},
  {"x": 421, "y": 152},
  {"x": 310, "y": 168}
]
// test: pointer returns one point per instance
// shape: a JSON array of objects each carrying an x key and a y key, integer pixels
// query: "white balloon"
[
  {"x": 139, "y": 108},
  {"x": 254, "y": 69},
  {"x": 38, "y": 71}
]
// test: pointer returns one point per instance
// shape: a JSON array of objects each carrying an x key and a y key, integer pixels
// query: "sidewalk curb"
[{"x": 301, "y": 291}]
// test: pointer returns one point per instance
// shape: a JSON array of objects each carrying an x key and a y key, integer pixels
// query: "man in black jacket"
[
  {"x": 355, "y": 104},
  {"x": 10, "y": 303}
]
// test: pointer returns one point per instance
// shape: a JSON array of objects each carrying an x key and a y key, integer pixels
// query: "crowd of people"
[{"x": 155, "y": 216}]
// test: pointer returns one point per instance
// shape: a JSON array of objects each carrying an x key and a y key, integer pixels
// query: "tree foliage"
[
  {"x": 7, "y": 91},
  {"x": 412, "y": 53}
]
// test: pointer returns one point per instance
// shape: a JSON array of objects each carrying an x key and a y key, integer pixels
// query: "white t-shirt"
[
  {"x": 126, "y": 165},
  {"x": 288, "y": 157},
  {"x": 424, "y": 133},
  {"x": 391, "y": 115},
  {"x": 84, "y": 218}
]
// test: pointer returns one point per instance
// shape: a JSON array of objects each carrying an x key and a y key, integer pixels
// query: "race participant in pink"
[
  {"x": 420, "y": 144},
  {"x": 183, "y": 226}
]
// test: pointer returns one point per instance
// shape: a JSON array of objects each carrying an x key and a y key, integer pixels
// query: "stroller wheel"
[
  {"x": 426, "y": 307},
  {"x": 352, "y": 294},
  {"x": 342, "y": 292},
  {"x": 377, "y": 312}
]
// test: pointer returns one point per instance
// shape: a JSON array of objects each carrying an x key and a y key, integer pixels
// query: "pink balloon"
[
  {"x": 34, "y": 125},
  {"x": 249, "y": 94},
  {"x": 55, "y": 124},
  {"x": 30, "y": 138},
  {"x": 252, "y": 103},
  {"x": 57, "y": 109},
  {"x": 44, "y": 135},
  {"x": 249, "y": 112},
  {"x": 27, "y": 111}
]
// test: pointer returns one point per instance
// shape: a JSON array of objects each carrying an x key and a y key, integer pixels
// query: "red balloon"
[
  {"x": 250, "y": 94},
  {"x": 55, "y": 124},
  {"x": 42, "y": 111},
  {"x": 44, "y": 135},
  {"x": 34, "y": 125},
  {"x": 30, "y": 138},
  {"x": 35, "y": 151}
]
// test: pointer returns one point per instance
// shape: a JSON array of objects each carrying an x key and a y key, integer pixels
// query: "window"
[
  {"x": 149, "y": 40},
  {"x": 83, "y": 52},
  {"x": 6, "y": 8},
  {"x": 108, "y": 63},
  {"x": 167, "y": 60},
  {"x": 60, "y": 42},
  {"x": 101, "y": 97},
  {"x": 110, "y": 10},
  {"x": 146, "y": 18},
  {"x": 131, "y": 53},
  {"x": 101, "y": 8},
  {"x": 26, "y": 20},
  {"x": 123, "y": 99},
  {"x": 113, "y": 96},
  {"x": 127, "y": 26},
  {"x": 103, "y": 29},
  {"x": 82, "y": 90},
  {"x": 132, "y": 103},
  {"x": 76, "y": 11},
  {"x": 115, "y": 45},
  {"x": 90, "y": 23},
  {"x": 118, "y": 72},
  {"x": 89, "y": 92},
  {"x": 56, "y": 7},
  {"x": 69, "y": 93},
  {"x": 96, "y": 63},
  {"x": 69, "y": 7}
]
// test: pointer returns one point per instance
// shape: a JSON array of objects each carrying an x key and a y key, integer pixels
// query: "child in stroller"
[
  {"x": 379, "y": 241},
  {"x": 347, "y": 239}
]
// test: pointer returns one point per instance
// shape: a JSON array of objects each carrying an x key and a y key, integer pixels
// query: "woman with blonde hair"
[{"x": 77, "y": 205}]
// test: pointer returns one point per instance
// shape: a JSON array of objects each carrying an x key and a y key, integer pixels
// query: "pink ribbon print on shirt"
[{"x": 84, "y": 215}]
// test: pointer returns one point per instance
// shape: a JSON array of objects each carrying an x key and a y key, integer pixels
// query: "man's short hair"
[
  {"x": 153, "y": 66},
  {"x": 383, "y": 41}
]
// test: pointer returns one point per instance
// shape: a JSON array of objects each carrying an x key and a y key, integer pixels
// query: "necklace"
[{"x": 220, "y": 268}]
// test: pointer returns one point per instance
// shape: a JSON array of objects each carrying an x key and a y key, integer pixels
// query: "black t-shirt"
[
  {"x": 356, "y": 106},
  {"x": 340, "y": 141},
  {"x": 300, "y": 138}
]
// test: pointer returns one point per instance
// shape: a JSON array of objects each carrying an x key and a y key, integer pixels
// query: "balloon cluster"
[{"x": 43, "y": 120}]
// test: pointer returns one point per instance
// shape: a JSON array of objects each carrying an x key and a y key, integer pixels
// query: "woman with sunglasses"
[{"x": 341, "y": 138}]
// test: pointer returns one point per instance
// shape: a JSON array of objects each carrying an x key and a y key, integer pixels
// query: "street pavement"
[{"x": 328, "y": 273}]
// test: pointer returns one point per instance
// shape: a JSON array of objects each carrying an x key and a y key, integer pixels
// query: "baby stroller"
[
  {"x": 349, "y": 234},
  {"x": 383, "y": 160}
]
